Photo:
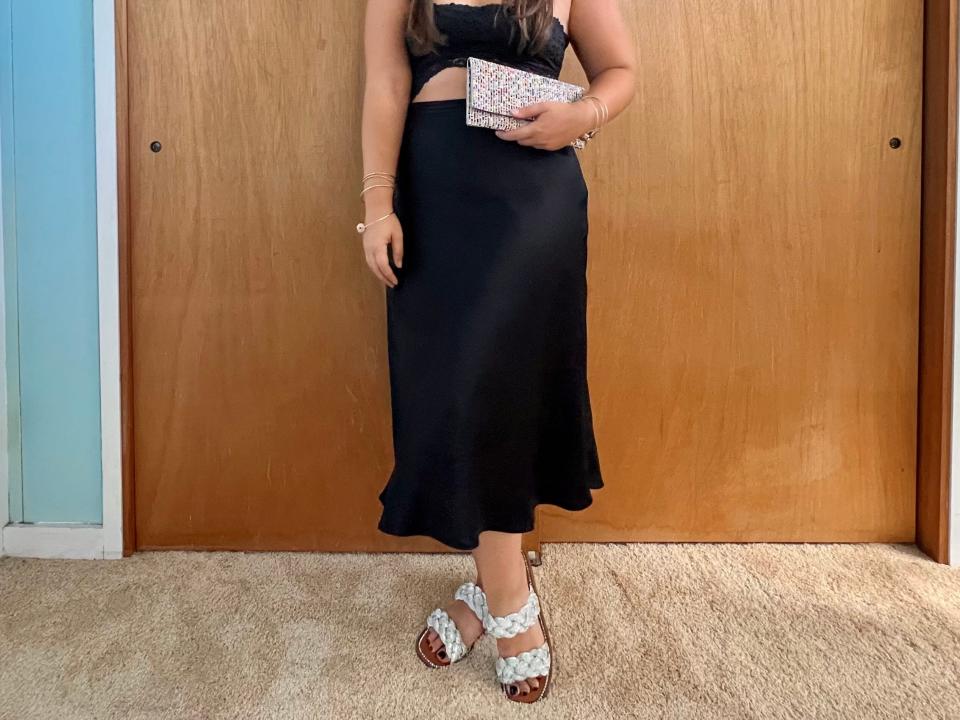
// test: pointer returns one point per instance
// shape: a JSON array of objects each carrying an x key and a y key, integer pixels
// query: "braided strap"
[
  {"x": 474, "y": 597},
  {"x": 506, "y": 626},
  {"x": 446, "y": 629},
  {"x": 526, "y": 665}
]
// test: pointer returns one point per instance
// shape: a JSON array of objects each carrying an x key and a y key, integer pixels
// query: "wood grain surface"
[{"x": 753, "y": 277}]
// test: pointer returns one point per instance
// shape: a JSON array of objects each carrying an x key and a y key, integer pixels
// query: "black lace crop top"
[{"x": 485, "y": 32}]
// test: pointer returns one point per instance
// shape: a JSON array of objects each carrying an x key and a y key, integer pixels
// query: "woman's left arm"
[{"x": 600, "y": 38}]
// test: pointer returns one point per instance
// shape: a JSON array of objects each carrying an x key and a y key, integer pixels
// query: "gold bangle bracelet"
[
  {"x": 368, "y": 176},
  {"x": 596, "y": 112},
  {"x": 375, "y": 186},
  {"x": 604, "y": 110}
]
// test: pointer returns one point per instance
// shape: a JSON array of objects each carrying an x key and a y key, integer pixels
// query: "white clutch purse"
[{"x": 494, "y": 91}]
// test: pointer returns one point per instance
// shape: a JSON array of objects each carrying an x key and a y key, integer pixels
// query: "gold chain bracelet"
[{"x": 362, "y": 227}]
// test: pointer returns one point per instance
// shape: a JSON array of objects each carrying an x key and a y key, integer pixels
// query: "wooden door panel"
[
  {"x": 754, "y": 276},
  {"x": 260, "y": 385}
]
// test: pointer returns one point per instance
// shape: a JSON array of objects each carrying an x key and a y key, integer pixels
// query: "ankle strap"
[
  {"x": 506, "y": 626},
  {"x": 474, "y": 597}
]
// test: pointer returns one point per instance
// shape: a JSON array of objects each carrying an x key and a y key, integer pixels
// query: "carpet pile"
[{"x": 640, "y": 631}]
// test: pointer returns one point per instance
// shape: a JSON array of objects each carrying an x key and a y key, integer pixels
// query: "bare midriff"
[{"x": 448, "y": 84}]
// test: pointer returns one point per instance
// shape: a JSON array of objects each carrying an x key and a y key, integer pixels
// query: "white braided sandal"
[
  {"x": 527, "y": 665},
  {"x": 441, "y": 623}
]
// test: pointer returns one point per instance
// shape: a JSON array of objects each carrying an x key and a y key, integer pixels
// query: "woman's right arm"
[{"x": 385, "y": 98}]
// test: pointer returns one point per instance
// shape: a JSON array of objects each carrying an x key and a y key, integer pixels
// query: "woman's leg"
[{"x": 499, "y": 559}]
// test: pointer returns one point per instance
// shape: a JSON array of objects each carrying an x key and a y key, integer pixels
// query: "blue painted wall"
[{"x": 49, "y": 163}]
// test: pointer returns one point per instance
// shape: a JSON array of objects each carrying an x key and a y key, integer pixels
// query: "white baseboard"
[{"x": 73, "y": 542}]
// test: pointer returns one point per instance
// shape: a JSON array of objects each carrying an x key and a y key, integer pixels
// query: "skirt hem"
[{"x": 471, "y": 544}]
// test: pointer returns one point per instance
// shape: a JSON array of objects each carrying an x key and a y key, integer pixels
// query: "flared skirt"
[{"x": 486, "y": 334}]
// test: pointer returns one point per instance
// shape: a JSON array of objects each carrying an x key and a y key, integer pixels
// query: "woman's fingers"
[
  {"x": 533, "y": 134},
  {"x": 530, "y": 111},
  {"x": 375, "y": 269},
  {"x": 377, "y": 251},
  {"x": 522, "y": 135},
  {"x": 551, "y": 126},
  {"x": 529, "y": 132},
  {"x": 383, "y": 263},
  {"x": 396, "y": 243}
]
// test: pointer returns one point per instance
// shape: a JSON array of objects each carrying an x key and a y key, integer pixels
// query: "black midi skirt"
[{"x": 486, "y": 334}]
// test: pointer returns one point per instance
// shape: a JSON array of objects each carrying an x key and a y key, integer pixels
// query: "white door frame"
[
  {"x": 81, "y": 540},
  {"x": 108, "y": 272}
]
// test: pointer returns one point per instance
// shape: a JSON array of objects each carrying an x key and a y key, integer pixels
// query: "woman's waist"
[{"x": 445, "y": 105}]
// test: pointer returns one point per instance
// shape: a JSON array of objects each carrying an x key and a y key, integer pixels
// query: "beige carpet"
[{"x": 646, "y": 631}]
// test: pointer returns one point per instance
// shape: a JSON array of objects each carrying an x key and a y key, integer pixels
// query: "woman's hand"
[
  {"x": 555, "y": 124},
  {"x": 376, "y": 238}
]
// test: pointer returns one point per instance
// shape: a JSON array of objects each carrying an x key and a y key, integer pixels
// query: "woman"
[{"x": 481, "y": 240}]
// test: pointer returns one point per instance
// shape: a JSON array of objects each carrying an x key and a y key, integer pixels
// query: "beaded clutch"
[{"x": 494, "y": 91}]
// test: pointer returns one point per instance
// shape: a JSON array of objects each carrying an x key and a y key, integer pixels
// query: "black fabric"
[
  {"x": 486, "y": 333},
  {"x": 489, "y": 33}
]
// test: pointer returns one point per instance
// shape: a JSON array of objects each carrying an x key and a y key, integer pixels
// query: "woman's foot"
[
  {"x": 504, "y": 604},
  {"x": 524, "y": 666},
  {"x": 466, "y": 621}
]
